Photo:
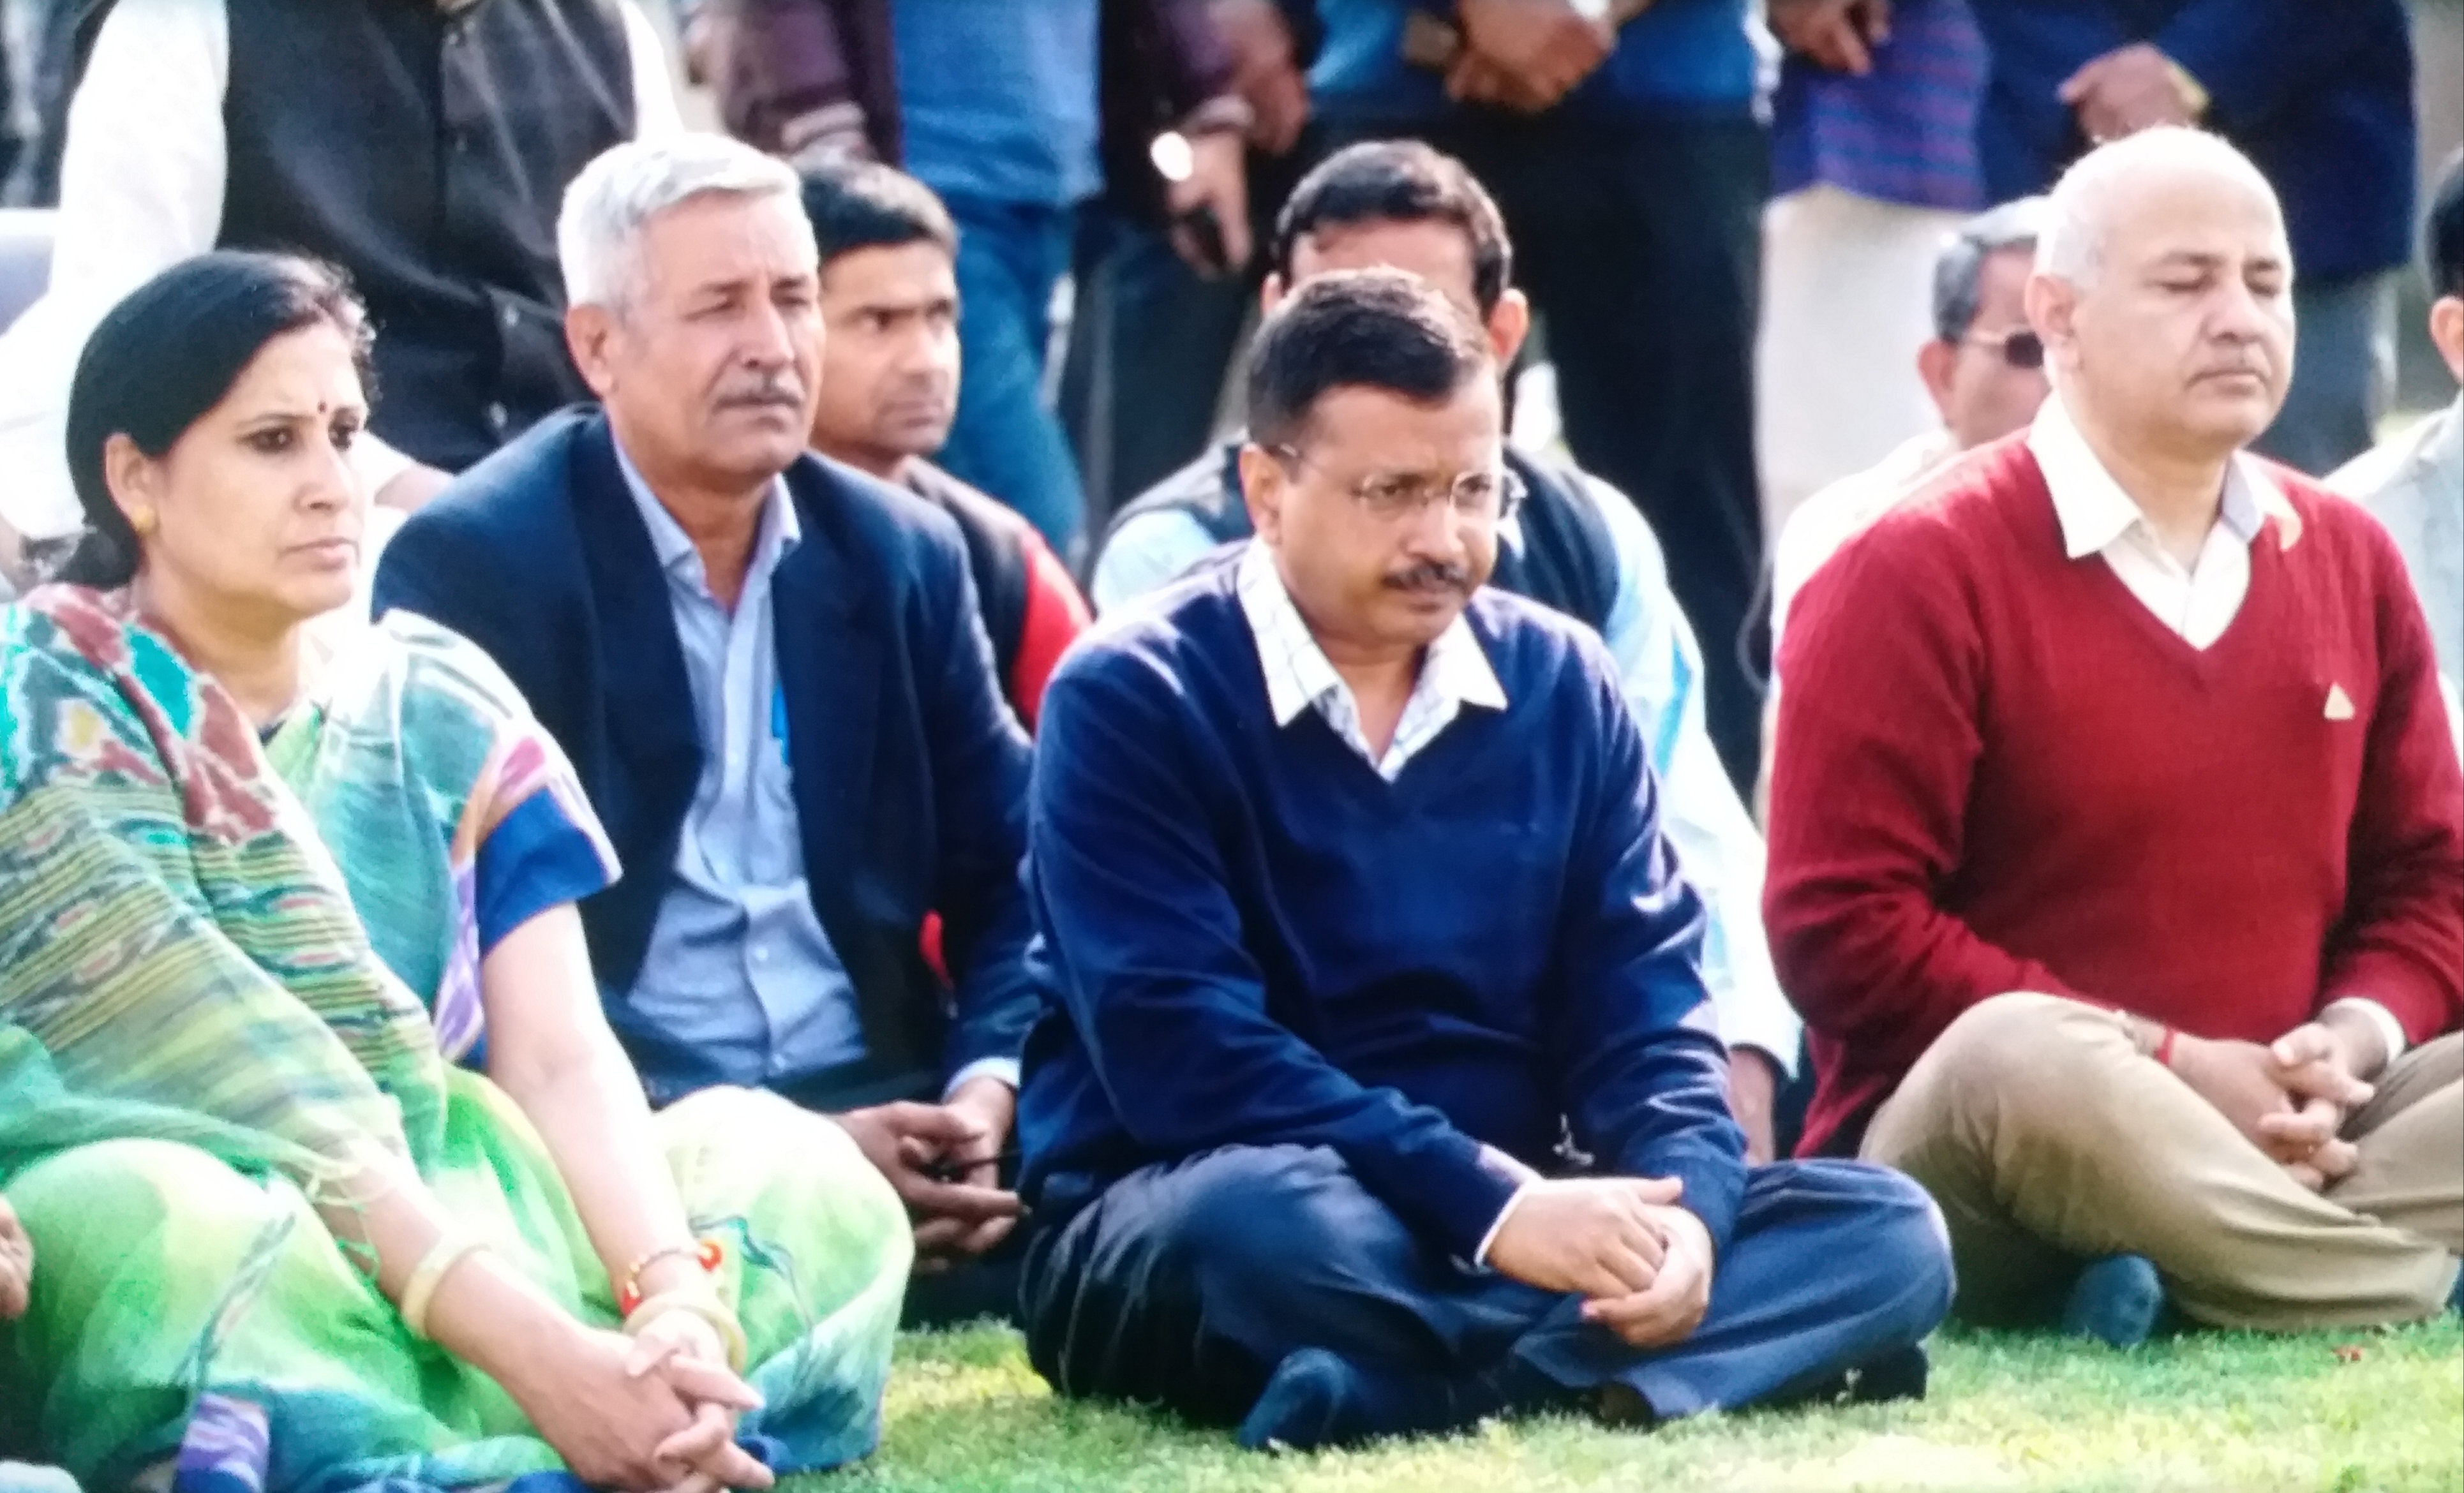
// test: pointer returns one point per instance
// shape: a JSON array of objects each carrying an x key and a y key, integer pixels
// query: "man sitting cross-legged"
[
  {"x": 1377, "y": 1091},
  {"x": 2116, "y": 841}
]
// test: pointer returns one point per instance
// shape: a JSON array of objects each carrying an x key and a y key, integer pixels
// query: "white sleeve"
[
  {"x": 655, "y": 90},
  {"x": 141, "y": 179},
  {"x": 1706, "y": 824}
]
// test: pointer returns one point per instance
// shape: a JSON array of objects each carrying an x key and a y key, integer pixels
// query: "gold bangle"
[
  {"x": 703, "y": 1304},
  {"x": 419, "y": 1293}
]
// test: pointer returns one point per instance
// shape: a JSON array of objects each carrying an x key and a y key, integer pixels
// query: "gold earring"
[{"x": 141, "y": 521}]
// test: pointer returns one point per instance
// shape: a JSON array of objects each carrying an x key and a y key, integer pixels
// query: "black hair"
[
  {"x": 1399, "y": 181},
  {"x": 2442, "y": 234},
  {"x": 1378, "y": 329},
  {"x": 170, "y": 353},
  {"x": 864, "y": 205}
]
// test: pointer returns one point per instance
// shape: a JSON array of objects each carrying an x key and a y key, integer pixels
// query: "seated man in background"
[
  {"x": 769, "y": 673},
  {"x": 1575, "y": 545},
  {"x": 2414, "y": 484},
  {"x": 1377, "y": 1091},
  {"x": 1984, "y": 370},
  {"x": 2116, "y": 839},
  {"x": 890, "y": 390}
]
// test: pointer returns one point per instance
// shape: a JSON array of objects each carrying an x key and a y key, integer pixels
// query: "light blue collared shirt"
[
  {"x": 739, "y": 967},
  {"x": 1661, "y": 668}
]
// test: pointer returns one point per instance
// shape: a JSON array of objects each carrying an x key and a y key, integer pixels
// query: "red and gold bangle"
[{"x": 707, "y": 1253}]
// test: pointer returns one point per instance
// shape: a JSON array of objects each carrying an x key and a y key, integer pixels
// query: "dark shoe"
[
  {"x": 2116, "y": 1300},
  {"x": 1898, "y": 1376},
  {"x": 1319, "y": 1399}
]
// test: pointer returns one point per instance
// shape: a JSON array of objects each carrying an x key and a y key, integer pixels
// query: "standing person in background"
[
  {"x": 1632, "y": 168},
  {"x": 2319, "y": 96},
  {"x": 1001, "y": 108},
  {"x": 421, "y": 147},
  {"x": 2414, "y": 484},
  {"x": 890, "y": 388},
  {"x": 1153, "y": 330},
  {"x": 1874, "y": 164}
]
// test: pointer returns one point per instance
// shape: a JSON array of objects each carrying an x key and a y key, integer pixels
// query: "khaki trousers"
[{"x": 2048, "y": 1140}]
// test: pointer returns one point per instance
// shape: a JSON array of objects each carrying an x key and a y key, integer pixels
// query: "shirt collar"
[
  {"x": 2095, "y": 512},
  {"x": 781, "y": 531},
  {"x": 1299, "y": 675}
]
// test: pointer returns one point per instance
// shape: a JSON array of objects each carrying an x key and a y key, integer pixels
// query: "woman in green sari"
[{"x": 333, "y": 1170}]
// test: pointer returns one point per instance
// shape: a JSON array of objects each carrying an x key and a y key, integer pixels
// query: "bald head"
[
  {"x": 2163, "y": 291},
  {"x": 2119, "y": 181}
]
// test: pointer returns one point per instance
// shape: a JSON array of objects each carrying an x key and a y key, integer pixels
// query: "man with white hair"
[
  {"x": 2117, "y": 846},
  {"x": 769, "y": 671}
]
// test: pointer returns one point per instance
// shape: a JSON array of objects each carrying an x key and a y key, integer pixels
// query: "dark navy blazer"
[
  {"x": 2318, "y": 92},
  {"x": 910, "y": 771}
]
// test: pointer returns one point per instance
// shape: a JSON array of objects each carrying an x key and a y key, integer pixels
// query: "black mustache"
[{"x": 1431, "y": 576}]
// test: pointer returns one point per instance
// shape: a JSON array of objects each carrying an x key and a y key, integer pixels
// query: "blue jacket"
[
  {"x": 2318, "y": 93},
  {"x": 910, "y": 773},
  {"x": 1257, "y": 940}
]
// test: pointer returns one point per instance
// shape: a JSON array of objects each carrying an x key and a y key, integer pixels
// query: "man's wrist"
[{"x": 2366, "y": 1034}]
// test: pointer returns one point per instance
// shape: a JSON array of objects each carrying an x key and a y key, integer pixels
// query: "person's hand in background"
[
  {"x": 1525, "y": 54},
  {"x": 1840, "y": 34},
  {"x": 2131, "y": 89},
  {"x": 1265, "y": 70}
]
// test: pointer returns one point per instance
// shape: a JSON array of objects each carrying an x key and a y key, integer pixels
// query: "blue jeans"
[
  {"x": 1007, "y": 440},
  {"x": 1188, "y": 1283}
]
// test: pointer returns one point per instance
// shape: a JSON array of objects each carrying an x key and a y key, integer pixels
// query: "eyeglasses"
[
  {"x": 2020, "y": 349},
  {"x": 1492, "y": 496}
]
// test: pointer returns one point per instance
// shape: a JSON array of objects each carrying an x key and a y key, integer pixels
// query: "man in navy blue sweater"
[{"x": 1378, "y": 1090}]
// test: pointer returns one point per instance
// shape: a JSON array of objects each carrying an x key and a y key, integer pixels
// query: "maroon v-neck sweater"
[{"x": 1998, "y": 771}]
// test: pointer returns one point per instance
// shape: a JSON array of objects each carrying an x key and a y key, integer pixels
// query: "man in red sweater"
[
  {"x": 889, "y": 390},
  {"x": 2117, "y": 847}
]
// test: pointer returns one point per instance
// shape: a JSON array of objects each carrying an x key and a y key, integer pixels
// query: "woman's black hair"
[{"x": 170, "y": 353}]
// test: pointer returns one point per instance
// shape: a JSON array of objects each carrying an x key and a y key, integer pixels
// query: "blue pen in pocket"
[{"x": 779, "y": 721}]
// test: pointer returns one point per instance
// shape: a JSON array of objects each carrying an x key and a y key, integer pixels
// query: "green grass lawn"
[{"x": 2343, "y": 1412}]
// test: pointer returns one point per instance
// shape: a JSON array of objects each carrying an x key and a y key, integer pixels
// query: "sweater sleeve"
[
  {"x": 1877, "y": 744},
  {"x": 1055, "y": 615},
  {"x": 2401, "y": 940},
  {"x": 1632, "y": 1027},
  {"x": 1146, "y": 944}
]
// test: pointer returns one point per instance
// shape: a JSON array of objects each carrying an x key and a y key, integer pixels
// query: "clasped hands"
[
  {"x": 655, "y": 1411},
  {"x": 2290, "y": 1097},
  {"x": 16, "y": 1264},
  {"x": 943, "y": 1160},
  {"x": 1644, "y": 1263},
  {"x": 1525, "y": 55}
]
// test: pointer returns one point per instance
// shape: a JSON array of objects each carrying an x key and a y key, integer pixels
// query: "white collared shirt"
[
  {"x": 2098, "y": 518},
  {"x": 1454, "y": 673},
  {"x": 2199, "y": 602}
]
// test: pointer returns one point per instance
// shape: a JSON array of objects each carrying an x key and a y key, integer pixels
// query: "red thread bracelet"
[
  {"x": 707, "y": 1253},
  {"x": 2165, "y": 1048}
]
